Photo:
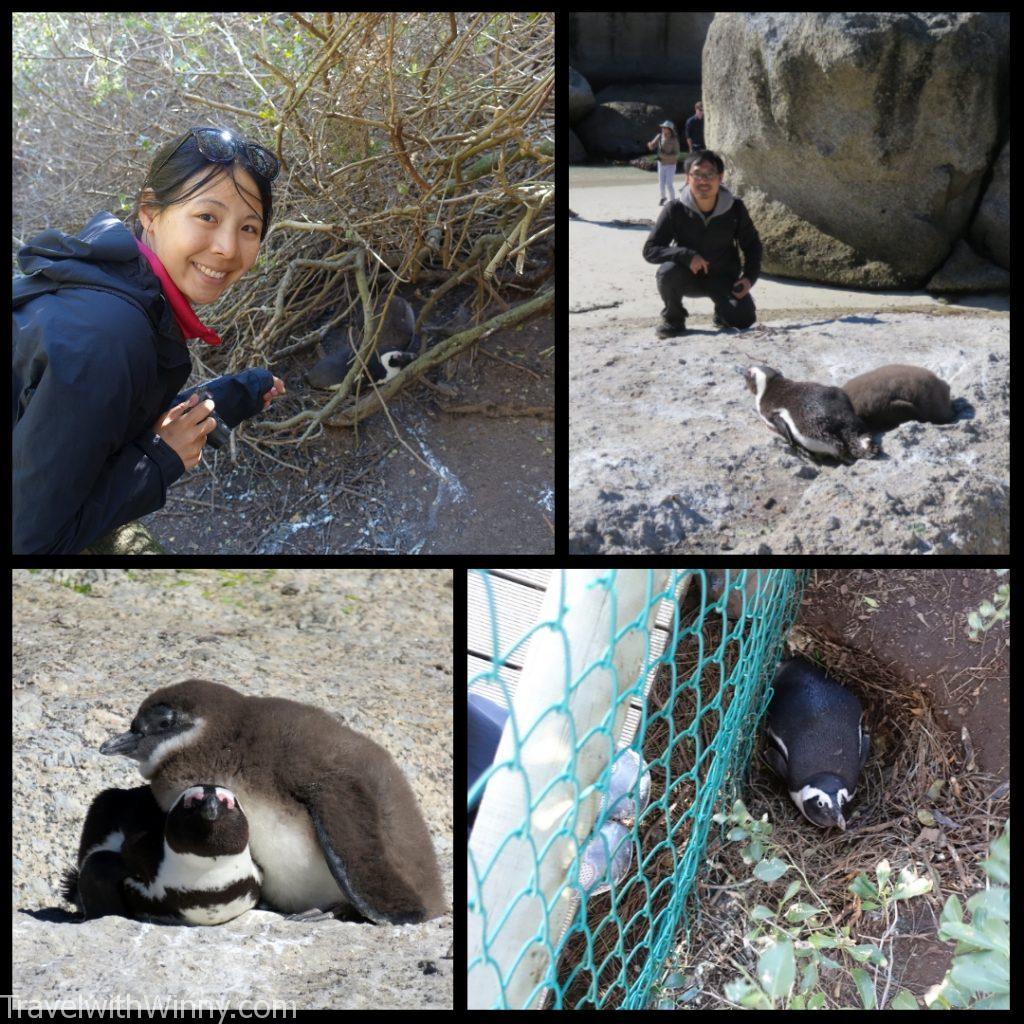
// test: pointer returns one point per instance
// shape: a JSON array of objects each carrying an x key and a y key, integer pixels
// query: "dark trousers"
[
  {"x": 484, "y": 727},
  {"x": 675, "y": 281}
]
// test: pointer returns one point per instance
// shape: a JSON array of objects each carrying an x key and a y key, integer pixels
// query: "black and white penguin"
[
  {"x": 891, "y": 395},
  {"x": 334, "y": 367},
  {"x": 191, "y": 865},
  {"x": 333, "y": 823},
  {"x": 817, "y": 742},
  {"x": 397, "y": 347},
  {"x": 816, "y": 417}
]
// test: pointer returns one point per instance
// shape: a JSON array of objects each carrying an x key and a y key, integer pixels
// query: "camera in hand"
[{"x": 220, "y": 435}]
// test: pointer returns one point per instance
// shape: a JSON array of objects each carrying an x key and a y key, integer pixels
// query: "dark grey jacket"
[{"x": 682, "y": 232}]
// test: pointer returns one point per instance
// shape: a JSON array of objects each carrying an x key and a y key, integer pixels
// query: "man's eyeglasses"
[{"x": 702, "y": 177}]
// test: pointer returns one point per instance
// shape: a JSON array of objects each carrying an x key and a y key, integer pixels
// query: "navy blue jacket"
[{"x": 97, "y": 356}]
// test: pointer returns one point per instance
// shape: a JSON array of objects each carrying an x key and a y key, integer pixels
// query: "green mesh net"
[{"x": 652, "y": 679}]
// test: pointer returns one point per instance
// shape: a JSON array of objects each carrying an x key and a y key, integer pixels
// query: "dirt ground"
[
  {"x": 911, "y": 624},
  {"x": 474, "y": 483}
]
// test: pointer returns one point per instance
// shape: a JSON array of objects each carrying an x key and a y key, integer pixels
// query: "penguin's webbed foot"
[{"x": 339, "y": 912}]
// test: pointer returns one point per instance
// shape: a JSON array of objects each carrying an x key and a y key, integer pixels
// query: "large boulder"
[
  {"x": 581, "y": 97},
  {"x": 620, "y": 129},
  {"x": 991, "y": 229},
  {"x": 858, "y": 141},
  {"x": 627, "y": 116},
  {"x": 577, "y": 154}
]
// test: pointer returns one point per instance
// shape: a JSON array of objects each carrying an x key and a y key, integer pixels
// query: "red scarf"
[{"x": 184, "y": 314}]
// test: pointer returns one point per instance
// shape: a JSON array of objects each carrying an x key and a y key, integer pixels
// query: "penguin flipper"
[
  {"x": 781, "y": 427},
  {"x": 386, "y": 880},
  {"x": 865, "y": 746},
  {"x": 99, "y": 890},
  {"x": 776, "y": 761}
]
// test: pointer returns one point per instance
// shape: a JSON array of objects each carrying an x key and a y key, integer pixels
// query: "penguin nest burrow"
[
  {"x": 664, "y": 826},
  {"x": 914, "y": 763}
]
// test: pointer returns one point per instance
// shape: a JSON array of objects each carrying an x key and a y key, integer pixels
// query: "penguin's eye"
[{"x": 161, "y": 721}]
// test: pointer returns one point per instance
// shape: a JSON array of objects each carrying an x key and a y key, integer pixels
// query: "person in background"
[
  {"x": 694, "y": 129},
  {"x": 667, "y": 143}
]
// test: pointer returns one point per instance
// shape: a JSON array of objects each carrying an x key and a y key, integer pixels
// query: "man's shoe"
[
  {"x": 629, "y": 787},
  {"x": 667, "y": 329},
  {"x": 605, "y": 860}
]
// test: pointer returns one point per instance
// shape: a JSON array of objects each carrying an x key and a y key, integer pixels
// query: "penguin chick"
[
  {"x": 891, "y": 395},
  {"x": 190, "y": 866},
  {"x": 334, "y": 824},
  {"x": 816, "y": 741}
]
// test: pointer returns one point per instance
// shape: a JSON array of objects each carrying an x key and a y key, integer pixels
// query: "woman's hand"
[
  {"x": 277, "y": 389},
  {"x": 184, "y": 427}
]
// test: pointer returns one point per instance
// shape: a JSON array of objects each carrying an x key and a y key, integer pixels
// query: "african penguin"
[
  {"x": 891, "y": 395},
  {"x": 191, "y": 865},
  {"x": 333, "y": 823},
  {"x": 397, "y": 346},
  {"x": 817, "y": 741},
  {"x": 816, "y": 417},
  {"x": 333, "y": 368}
]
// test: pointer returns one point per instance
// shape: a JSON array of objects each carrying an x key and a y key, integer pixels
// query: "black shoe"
[
  {"x": 661, "y": 201},
  {"x": 718, "y": 321},
  {"x": 671, "y": 329}
]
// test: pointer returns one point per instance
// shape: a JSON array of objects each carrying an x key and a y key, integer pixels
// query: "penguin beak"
[
  {"x": 210, "y": 807},
  {"x": 125, "y": 744}
]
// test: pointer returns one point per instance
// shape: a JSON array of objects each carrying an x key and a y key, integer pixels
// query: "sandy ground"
[{"x": 667, "y": 453}]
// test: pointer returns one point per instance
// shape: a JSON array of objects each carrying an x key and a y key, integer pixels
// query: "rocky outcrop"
[
  {"x": 644, "y": 68},
  {"x": 620, "y": 129},
  {"x": 577, "y": 154},
  {"x": 938, "y": 489},
  {"x": 626, "y": 117},
  {"x": 859, "y": 142},
  {"x": 627, "y": 46}
]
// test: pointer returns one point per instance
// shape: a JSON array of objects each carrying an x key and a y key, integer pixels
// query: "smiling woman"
[
  {"x": 100, "y": 324},
  {"x": 206, "y": 224}
]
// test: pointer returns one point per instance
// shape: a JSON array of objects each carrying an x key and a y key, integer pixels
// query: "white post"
[{"x": 530, "y": 859}]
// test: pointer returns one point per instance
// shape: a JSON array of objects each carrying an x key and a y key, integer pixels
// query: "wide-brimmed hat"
[{"x": 667, "y": 124}]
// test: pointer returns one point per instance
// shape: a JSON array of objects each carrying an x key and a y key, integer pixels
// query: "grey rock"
[{"x": 801, "y": 105}]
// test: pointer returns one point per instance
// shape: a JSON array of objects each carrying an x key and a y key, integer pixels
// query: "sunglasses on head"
[{"x": 221, "y": 147}]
